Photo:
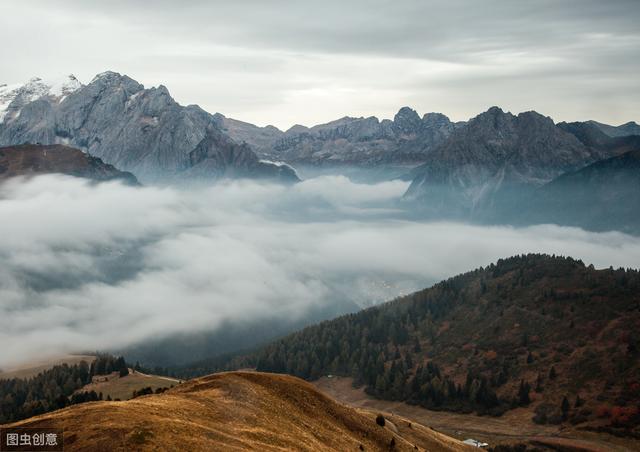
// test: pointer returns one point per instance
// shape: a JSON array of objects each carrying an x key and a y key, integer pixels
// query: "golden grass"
[
  {"x": 235, "y": 411},
  {"x": 122, "y": 387}
]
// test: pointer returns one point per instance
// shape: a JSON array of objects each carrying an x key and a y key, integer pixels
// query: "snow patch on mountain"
[{"x": 14, "y": 97}]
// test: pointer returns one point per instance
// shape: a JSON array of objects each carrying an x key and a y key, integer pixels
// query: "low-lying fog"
[{"x": 87, "y": 267}]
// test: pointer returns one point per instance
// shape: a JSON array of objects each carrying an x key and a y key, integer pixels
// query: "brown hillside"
[
  {"x": 234, "y": 411},
  {"x": 35, "y": 159}
]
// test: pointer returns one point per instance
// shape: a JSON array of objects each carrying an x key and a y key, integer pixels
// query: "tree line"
[{"x": 54, "y": 388}]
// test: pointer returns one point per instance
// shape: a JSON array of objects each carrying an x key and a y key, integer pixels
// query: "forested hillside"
[
  {"x": 539, "y": 331},
  {"x": 54, "y": 388}
]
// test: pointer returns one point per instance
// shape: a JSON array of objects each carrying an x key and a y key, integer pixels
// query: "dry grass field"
[
  {"x": 236, "y": 411},
  {"x": 122, "y": 388}
]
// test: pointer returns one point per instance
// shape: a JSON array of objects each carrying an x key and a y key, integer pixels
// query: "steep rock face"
[
  {"x": 406, "y": 122},
  {"x": 216, "y": 157},
  {"x": 365, "y": 141},
  {"x": 259, "y": 138},
  {"x": 115, "y": 118},
  {"x": 33, "y": 160},
  {"x": 496, "y": 155}
]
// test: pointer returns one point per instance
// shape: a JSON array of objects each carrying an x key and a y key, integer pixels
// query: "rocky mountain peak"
[
  {"x": 114, "y": 81},
  {"x": 494, "y": 110},
  {"x": 497, "y": 151},
  {"x": 407, "y": 121},
  {"x": 296, "y": 129},
  {"x": 14, "y": 97},
  {"x": 535, "y": 117},
  {"x": 107, "y": 76},
  {"x": 435, "y": 120}
]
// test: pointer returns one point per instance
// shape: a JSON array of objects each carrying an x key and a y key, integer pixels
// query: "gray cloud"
[
  {"x": 267, "y": 62},
  {"x": 105, "y": 266}
]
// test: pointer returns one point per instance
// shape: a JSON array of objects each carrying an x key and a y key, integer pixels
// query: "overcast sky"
[{"x": 285, "y": 62}]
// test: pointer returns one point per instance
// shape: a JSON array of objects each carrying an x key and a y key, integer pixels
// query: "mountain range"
[
  {"x": 144, "y": 131},
  {"x": 366, "y": 142},
  {"x": 493, "y": 155},
  {"x": 488, "y": 169}
]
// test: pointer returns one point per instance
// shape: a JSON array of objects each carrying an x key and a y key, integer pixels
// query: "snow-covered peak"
[
  {"x": 64, "y": 87},
  {"x": 14, "y": 97},
  {"x": 106, "y": 75}
]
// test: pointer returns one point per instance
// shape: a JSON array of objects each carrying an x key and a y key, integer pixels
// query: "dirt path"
[{"x": 158, "y": 377}]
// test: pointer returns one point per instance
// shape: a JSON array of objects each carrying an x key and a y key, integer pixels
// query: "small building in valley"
[{"x": 475, "y": 443}]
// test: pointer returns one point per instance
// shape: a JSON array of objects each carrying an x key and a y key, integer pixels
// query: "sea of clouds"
[{"x": 96, "y": 266}]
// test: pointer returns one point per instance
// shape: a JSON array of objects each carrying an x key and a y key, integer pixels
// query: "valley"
[{"x": 512, "y": 428}]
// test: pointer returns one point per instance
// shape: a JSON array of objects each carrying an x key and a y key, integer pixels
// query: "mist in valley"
[{"x": 88, "y": 267}]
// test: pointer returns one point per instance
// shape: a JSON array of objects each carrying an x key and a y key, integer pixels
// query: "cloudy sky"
[{"x": 285, "y": 62}]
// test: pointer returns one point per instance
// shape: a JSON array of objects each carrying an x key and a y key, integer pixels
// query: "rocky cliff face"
[
  {"x": 115, "y": 118},
  {"x": 214, "y": 157},
  {"x": 494, "y": 156},
  {"x": 33, "y": 160}
]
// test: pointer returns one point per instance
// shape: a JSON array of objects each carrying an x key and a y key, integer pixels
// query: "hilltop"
[{"x": 236, "y": 411}]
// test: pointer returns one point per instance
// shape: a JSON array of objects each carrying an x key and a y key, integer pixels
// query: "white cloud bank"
[{"x": 87, "y": 267}]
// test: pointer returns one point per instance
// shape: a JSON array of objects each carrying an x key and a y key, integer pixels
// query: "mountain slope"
[
  {"x": 32, "y": 160},
  {"x": 525, "y": 332},
  {"x": 629, "y": 128},
  {"x": 591, "y": 135},
  {"x": 497, "y": 155},
  {"x": 603, "y": 196},
  {"x": 232, "y": 411},
  {"x": 216, "y": 157},
  {"x": 144, "y": 131}
]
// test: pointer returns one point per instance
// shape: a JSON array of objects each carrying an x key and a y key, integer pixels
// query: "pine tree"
[
  {"x": 564, "y": 407},
  {"x": 523, "y": 393}
]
